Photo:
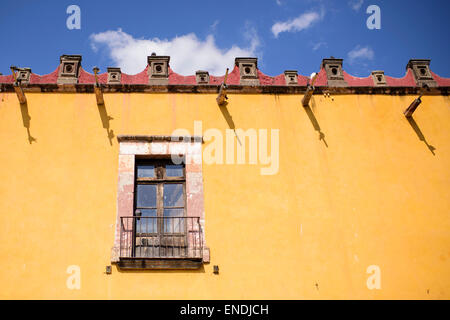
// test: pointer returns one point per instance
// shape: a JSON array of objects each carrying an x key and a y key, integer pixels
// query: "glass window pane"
[
  {"x": 173, "y": 195},
  {"x": 145, "y": 171},
  {"x": 174, "y": 220},
  {"x": 146, "y": 195},
  {"x": 148, "y": 222},
  {"x": 174, "y": 170}
]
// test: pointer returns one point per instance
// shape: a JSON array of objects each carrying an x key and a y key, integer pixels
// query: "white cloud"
[
  {"x": 318, "y": 45},
  {"x": 187, "y": 52},
  {"x": 355, "y": 4},
  {"x": 360, "y": 53},
  {"x": 302, "y": 22},
  {"x": 279, "y": 2}
]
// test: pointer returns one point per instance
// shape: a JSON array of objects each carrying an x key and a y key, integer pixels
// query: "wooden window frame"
[
  {"x": 133, "y": 149},
  {"x": 159, "y": 181}
]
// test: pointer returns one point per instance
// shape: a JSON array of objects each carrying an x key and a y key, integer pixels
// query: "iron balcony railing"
[{"x": 161, "y": 237}]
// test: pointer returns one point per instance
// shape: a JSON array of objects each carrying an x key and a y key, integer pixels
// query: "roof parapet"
[
  {"x": 158, "y": 69},
  {"x": 69, "y": 67},
  {"x": 202, "y": 77},
  {"x": 248, "y": 70},
  {"x": 114, "y": 75},
  {"x": 245, "y": 73},
  {"x": 421, "y": 72},
  {"x": 291, "y": 77},
  {"x": 333, "y": 69},
  {"x": 23, "y": 75},
  {"x": 378, "y": 78}
]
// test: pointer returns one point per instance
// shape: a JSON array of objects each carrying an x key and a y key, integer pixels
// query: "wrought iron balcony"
[{"x": 164, "y": 238}]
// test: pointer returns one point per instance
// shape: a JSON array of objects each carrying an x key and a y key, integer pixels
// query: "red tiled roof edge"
[
  {"x": 233, "y": 79},
  {"x": 442, "y": 82}
]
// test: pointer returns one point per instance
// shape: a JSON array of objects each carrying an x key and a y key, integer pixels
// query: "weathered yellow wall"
[{"x": 376, "y": 195}]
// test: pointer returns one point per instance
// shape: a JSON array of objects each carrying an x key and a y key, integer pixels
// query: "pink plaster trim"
[
  {"x": 130, "y": 147},
  {"x": 159, "y": 148},
  {"x": 125, "y": 197}
]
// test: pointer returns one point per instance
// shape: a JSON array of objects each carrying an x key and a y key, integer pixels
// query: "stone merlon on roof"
[{"x": 245, "y": 73}]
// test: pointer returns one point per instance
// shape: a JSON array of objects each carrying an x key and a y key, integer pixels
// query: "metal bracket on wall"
[
  {"x": 309, "y": 90},
  {"x": 413, "y": 106},
  {"x": 223, "y": 91},
  {"x": 17, "y": 88},
  {"x": 97, "y": 88}
]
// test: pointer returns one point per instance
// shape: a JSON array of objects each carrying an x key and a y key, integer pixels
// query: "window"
[
  {"x": 161, "y": 223},
  {"x": 160, "y": 210}
]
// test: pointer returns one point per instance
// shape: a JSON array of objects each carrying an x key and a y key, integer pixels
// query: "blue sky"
[{"x": 283, "y": 34}]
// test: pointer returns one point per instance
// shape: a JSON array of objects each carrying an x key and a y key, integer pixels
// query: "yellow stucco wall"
[{"x": 373, "y": 194}]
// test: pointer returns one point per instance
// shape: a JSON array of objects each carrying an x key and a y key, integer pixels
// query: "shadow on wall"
[
  {"x": 314, "y": 121},
  {"x": 105, "y": 122},
  {"x": 419, "y": 133},
  {"x": 26, "y": 119},
  {"x": 229, "y": 119}
]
